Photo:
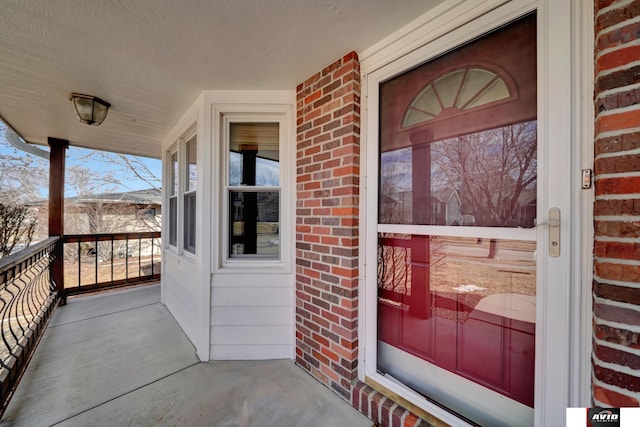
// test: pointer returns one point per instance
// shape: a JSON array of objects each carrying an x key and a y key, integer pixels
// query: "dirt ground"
[{"x": 121, "y": 270}]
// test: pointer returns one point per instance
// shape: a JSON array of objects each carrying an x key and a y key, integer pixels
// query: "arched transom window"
[{"x": 455, "y": 92}]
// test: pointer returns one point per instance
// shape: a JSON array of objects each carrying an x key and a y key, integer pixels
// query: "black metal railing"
[
  {"x": 27, "y": 300},
  {"x": 95, "y": 262}
]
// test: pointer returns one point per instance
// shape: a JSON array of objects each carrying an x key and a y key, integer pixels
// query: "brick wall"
[
  {"x": 328, "y": 169},
  {"x": 616, "y": 286}
]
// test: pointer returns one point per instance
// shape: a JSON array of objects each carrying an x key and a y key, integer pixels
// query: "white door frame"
[{"x": 562, "y": 329}]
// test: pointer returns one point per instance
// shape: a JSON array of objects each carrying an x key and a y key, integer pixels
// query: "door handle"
[{"x": 554, "y": 232}]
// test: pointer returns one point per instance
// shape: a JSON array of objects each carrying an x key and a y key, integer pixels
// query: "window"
[
  {"x": 183, "y": 179},
  {"x": 190, "y": 182},
  {"x": 253, "y": 190},
  {"x": 173, "y": 199}
]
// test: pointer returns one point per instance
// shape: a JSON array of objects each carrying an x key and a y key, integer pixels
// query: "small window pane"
[
  {"x": 173, "y": 221},
  {"x": 191, "y": 178},
  {"x": 254, "y": 157},
  {"x": 190, "y": 222},
  {"x": 174, "y": 174},
  {"x": 476, "y": 80},
  {"x": 448, "y": 86},
  {"x": 254, "y": 224}
]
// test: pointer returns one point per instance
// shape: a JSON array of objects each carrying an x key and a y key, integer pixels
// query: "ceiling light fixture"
[{"x": 90, "y": 110}]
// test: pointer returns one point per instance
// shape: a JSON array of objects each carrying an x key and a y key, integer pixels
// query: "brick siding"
[
  {"x": 382, "y": 410},
  {"x": 616, "y": 285},
  {"x": 328, "y": 170},
  {"x": 327, "y": 215}
]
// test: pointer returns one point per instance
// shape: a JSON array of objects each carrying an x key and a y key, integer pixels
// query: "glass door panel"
[{"x": 458, "y": 151}]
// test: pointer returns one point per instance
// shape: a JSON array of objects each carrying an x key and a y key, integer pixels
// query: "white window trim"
[
  {"x": 447, "y": 26},
  {"x": 183, "y": 182},
  {"x": 222, "y": 115}
]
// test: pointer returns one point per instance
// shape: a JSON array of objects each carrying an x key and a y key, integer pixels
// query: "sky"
[{"x": 106, "y": 171}]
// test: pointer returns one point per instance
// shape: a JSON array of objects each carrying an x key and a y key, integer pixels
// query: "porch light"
[{"x": 90, "y": 110}]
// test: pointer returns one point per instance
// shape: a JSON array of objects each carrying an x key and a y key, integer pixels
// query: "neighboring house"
[
  {"x": 493, "y": 323},
  {"x": 129, "y": 211}
]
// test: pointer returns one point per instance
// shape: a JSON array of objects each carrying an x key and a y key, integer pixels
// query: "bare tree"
[
  {"x": 490, "y": 170},
  {"x": 17, "y": 225}
]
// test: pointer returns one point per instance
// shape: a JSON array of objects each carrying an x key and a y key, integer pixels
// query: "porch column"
[
  {"x": 56, "y": 207},
  {"x": 419, "y": 300}
]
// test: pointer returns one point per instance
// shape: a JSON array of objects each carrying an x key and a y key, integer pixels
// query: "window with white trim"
[
  {"x": 173, "y": 197},
  {"x": 252, "y": 189},
  {"x": 189, "y": 197},
  {"x": 183, "y": 178}
]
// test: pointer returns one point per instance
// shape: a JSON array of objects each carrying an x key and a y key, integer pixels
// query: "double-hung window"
[
  {"x": 190, "y": 184},
  {"x": 173, "y": 197},
  {"x": 253, "y": 189},
  {"x": 183, "y": 178}
]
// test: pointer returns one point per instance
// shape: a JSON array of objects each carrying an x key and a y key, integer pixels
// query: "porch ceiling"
[{"x": 151, "y": 58}]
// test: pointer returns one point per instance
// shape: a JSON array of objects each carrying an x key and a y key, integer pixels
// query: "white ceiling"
[{"x": 151, "y": 58}]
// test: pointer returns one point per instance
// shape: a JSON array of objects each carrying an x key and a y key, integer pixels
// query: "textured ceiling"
[{"x": 151, "y": 58}]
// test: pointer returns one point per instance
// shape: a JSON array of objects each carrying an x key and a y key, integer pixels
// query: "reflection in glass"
[
  {"x": 190, "y": 222},
  {"x": 254, "y": 154},
  {"x": 192, "y": 164},
  {"x": 173, "y": 223},
  {"x": 254, "y": 224},
  {"x": 174, "y": 174},
  {"x": 484, "y": 179},
  {"x": 466, "y": 305}
]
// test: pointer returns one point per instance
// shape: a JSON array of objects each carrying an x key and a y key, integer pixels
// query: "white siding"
[
  {"x": 180, "y": 287},
  {"x": 251, "y": 316},
  {"x": 231, "y": 310}
]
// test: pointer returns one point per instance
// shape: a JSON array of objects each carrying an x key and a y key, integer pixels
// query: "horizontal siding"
[
  {"x": 251, "y": 316},
  {"x": 247, "y": 316},
  {"x": 251, "y": 335},
  {"x": 265, "y": 280},
  {"x": 180, "y": 294},
  {"x": 250, "y": 352},
  {"x": 251, "y": 297}
]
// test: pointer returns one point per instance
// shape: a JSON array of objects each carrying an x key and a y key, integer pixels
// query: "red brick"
[
  {"x": 621, "y": 379},
  {"x": 617, "y": 336},
  {"x": 623, "y": 185},
  {"x": 376, "y": 402},
  {"x": 385, "y": 411},
  {"x": 619, "y": 36},
  {"x": 410, "y": 420},
  {"x": 621, "y": 272},
  {"x": 613, "y": 398},
  {"x": 617, "y": 15},
  {"x": 619, "y": 164},
  {"x": 630, "y": 251},
  {"x": 610, "y": 355},
  {"x": 351, "y": 56},
  {"x": 618, "y": 121},
  {"x": 618, "y": 58},
  {"x": 355, "y": 395},
  {"x": 396, "y": 416},
  {"x": 617, "y": 207},
  {"x": 617, "y": 293}
]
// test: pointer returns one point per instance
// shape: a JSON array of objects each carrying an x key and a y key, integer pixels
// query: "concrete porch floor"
[{"x": 121, "y": 359}]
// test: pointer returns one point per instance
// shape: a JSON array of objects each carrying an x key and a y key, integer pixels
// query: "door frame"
[{"x": 563, "y": 48}]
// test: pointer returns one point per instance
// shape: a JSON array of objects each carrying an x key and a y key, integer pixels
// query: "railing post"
[{"x": 56, "y": 208}]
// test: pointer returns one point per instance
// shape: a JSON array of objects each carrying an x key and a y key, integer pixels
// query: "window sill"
[
  {"x": 414, "y": 402},
  {"x": 253, "y": 266}
]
